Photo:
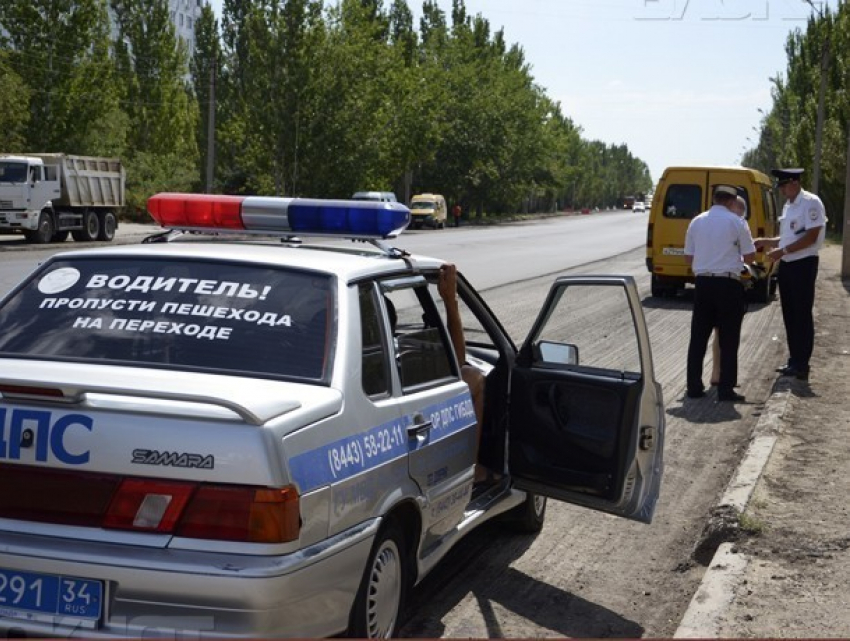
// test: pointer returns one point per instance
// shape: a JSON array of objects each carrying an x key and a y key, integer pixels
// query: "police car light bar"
[{"x": 279, "y": 216}]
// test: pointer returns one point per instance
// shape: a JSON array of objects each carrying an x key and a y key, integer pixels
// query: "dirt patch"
[{"x": 796, "y": 582}]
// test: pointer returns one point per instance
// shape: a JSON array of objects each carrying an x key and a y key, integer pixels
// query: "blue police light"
[
  {"x": 258, "y": 214},
  {"x": 348, "y": 218}
]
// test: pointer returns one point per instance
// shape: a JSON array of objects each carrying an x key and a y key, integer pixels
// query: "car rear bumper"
[{"x": 157, "y": 593}]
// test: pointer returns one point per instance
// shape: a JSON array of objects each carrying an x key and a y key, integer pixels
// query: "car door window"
[
  {"x": 590, "y": 329},
  {"x": 420, "y": 340}
]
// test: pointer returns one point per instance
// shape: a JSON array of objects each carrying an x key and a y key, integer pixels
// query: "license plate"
[
  {"x": 32, "y": 596},
  {"x": 674, "y": 251}
]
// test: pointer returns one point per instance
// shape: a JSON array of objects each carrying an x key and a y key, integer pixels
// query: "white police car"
[{"x": 224, "y": 437}]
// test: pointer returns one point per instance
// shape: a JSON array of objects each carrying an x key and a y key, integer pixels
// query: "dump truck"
[{"x": 45, "y": 197}]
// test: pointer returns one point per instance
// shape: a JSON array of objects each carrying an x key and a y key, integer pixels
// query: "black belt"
[{"x": 732, "y": 275}]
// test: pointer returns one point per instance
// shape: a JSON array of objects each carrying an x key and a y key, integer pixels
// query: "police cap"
[
  {"x": 784, "y": 176},
  {"x": 726, "y": 190}
]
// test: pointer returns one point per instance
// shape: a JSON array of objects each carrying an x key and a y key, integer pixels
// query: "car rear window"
[{"x": 179, "y": 314}]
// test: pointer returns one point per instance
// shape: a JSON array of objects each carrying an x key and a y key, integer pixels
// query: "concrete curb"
[{"x": 724, "y": 573}]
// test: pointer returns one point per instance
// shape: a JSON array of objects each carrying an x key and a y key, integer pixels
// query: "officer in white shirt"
[
  {"x": 802, "y": 228},
  {"x": 739, "y": 208},
  {"x": 716, "y": 247}
]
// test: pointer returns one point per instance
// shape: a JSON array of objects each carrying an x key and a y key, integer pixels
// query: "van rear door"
[{"x": 684, "y": 195}]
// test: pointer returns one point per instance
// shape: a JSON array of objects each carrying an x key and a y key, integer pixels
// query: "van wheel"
[
  {"x": 528, "y": 517},
  {"x": 379, "y": 603},
  {"x": 761, "y": 292},
  {"x": 658, "y": 290}
]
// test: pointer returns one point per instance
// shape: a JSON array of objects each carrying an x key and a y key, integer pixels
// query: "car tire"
[
  {"x": 379, "y": 603},
  {"x": 108, "y": 224},
  {"x": 528, "y": 517}
]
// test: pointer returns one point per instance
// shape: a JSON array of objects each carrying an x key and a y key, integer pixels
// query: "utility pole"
[
  {"x": 211, "y": 128},
  {"x": 845, "y": 242},
  {"x": 824, "y": 69}
]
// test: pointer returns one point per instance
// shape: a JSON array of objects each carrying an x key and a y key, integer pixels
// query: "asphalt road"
[{"x": 586, "y": 574}]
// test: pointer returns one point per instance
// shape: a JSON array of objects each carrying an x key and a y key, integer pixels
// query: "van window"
[
  {"x": 742, "y": 192},
  {"x": 682, "y": 201},
  {"x": 769, "y": 204}
]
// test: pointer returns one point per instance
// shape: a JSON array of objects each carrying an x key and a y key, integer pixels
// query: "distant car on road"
[
  {"x": 376, "y": 196},
  {"x": 639, "y": 208}
]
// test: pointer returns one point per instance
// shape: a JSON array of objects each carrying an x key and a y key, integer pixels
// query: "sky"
[{"x": 681, "y": 82}]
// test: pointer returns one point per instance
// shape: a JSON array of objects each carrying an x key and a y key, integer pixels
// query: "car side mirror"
[{"x": 553, "y": 353}]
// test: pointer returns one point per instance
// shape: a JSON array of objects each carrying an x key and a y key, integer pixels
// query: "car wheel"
[
  {"x": 108, "y": 223},
  {"x": 380, "y": 600},
  {"x": 528, "y": 517}
]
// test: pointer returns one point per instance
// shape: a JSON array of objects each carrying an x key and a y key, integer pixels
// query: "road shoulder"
[{"x": 787, "y": 576}]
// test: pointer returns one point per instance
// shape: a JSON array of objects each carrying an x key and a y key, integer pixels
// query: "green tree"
[
  {"x": 14, "y": 109},
  {"x": 60, "y": 49},
  {"x": 162, "y": 110}
]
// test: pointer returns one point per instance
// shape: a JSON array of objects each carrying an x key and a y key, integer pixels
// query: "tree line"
[
  {"x": 301, "y": 100},
  {"x": 787, "y": 133}
]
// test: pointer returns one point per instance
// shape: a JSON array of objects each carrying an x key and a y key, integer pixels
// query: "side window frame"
[
  {"x": 409, "y": 335},
  {"x": 368, "y": 292}
]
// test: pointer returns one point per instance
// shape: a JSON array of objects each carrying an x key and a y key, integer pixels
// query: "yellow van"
[
  {"x": 428, "y": 210},
  {"x": 684, "y": 192}
]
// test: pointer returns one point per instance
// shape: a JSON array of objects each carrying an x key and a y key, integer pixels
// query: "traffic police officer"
[
  {"x": 716, "y": 247},
  {"x": 802, "y": 228}
]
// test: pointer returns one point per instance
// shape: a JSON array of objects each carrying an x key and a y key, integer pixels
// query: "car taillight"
[
  {"x": 242, "y": 514},
  {"x": 147, "y": 505},
  {"x": 219, "y": 512}
]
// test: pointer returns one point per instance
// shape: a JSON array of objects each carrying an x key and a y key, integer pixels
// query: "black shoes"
[
  {"x": 696, "y": 393},
  {"x": 731, "y": 396},
  {"x": 800, "y": 375}
]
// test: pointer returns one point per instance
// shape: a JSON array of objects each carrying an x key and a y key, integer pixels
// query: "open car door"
[{"x": 586, "y": 422}]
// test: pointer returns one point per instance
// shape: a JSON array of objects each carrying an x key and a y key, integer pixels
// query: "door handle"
[{"x": 419, "y": 427}]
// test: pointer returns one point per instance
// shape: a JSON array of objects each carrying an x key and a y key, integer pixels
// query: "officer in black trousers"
[
  {"x": 802, "y": 228},
  {"x": 716, "y": 247}
]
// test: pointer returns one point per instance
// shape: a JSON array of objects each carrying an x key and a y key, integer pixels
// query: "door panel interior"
[{"x": 576, "y": 435}]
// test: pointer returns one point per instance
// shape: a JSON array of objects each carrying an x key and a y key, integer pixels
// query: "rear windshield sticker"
[{"x": 59, "y": 280}]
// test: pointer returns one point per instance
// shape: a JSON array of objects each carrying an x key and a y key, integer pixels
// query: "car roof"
[{"x": 347, "y": 262}]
